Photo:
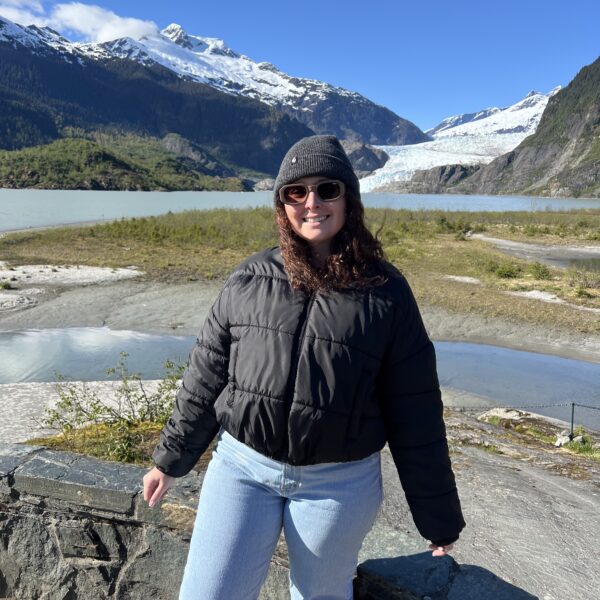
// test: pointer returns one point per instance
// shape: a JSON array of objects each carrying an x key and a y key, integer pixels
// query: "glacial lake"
[
  {"x": 500, "y": 376},
  {"x": 22, "y": 209}
]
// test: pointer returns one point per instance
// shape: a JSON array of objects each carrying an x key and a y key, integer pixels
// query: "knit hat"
[{"x": 316, "y": 155}]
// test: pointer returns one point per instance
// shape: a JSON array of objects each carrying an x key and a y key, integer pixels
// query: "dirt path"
[{"x": 554, "y": 256}]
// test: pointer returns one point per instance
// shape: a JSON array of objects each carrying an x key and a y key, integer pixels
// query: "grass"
[
  {"x": 131, "y": 443},
  {"x": 491, "y": 448},
  {"x": 585, "y": 447},
  {"x": 425, "y": 245},
  {"x": 546, "y": 434}
]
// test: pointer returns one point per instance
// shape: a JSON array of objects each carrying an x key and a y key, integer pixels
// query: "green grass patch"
[
  {"x": 491, "y": 448},
  {"x": 585, "y": 447},
  {"x": 120, "y": 442}
]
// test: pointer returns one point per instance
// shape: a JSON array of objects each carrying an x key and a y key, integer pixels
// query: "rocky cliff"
[{"x": 561, "y": 159}]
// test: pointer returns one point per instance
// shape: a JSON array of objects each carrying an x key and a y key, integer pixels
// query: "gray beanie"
[{"x": 316, "y": 155}]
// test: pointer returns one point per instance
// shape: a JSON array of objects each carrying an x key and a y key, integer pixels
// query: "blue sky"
[{"x": 424, "y": 60}]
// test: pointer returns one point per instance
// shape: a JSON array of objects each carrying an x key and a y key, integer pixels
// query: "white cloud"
[
  {"x": 97, "y": 24},
  {"x": 24, "y": 12},
  {"x": 85, "y": 21}
]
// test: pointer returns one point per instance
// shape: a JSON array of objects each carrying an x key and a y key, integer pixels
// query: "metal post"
[{"x": 572, "y": 435}]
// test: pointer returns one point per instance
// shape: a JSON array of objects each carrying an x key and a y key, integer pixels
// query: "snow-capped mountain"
[
  {"x": 40, "y": 40},
  {"x": 475, "y": 138},
  {"x": 450, "y": 122},
  {"x": 209, "y": 60},
  {"x": 322, "y": 107}
]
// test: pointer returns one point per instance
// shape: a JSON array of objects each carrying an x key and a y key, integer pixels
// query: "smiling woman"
[
  {"x": 313, "y": 356},
  {"x": 314, "y": 218}
]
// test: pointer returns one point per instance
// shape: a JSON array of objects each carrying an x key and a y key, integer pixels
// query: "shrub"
[
  {"x": 539, "y": 271},
  {"x": 578, "y": 278},
  {"x": 503, "y": 269},
  {"x": 116, "y": 430}
]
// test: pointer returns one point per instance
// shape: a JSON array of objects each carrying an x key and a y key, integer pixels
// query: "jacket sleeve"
[
  {"x": 193, "y": 425},
  {"x": 413, "y": 415}
]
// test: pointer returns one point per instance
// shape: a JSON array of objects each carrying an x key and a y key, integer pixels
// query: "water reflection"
[
  {"x": 84, "y": 353},
  {"x": 506, "y": 377}
]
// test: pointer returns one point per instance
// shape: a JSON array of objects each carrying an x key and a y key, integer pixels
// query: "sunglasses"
[{"x": 297, "y": 193}]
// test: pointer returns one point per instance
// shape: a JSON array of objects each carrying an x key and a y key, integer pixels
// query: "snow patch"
[
  {"x": 63, "y": 275},
  {"x": 553, "y": 298},
  {"x": 463, "y": 279}
]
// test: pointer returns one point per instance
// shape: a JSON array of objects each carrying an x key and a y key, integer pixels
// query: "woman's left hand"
[{"x": 440, "y": 550}]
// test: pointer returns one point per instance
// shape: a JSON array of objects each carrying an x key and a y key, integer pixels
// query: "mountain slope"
[
  {"x": 562, "y": 158},
  {"x": 468, "y": 140},
  {"x": 44, "y": 89},
  {"x": 322, "y": 107}
]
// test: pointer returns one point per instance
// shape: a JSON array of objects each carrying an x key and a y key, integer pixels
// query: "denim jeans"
[{"x": 325, "y": 510}]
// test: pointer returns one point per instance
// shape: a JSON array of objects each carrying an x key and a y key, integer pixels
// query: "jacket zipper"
[{"x": 291, "y": 385}]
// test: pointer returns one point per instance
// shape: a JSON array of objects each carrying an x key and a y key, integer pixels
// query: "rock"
[
  {"x": 264, "y": 185},
  {"x": 81, "y": 480},
  {"x": 364, "y": 158}
]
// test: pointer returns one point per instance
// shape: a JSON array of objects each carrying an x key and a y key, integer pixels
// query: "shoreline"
[
  {"x": 22, "y": 402},
  {"x": 179, "y": 309}
]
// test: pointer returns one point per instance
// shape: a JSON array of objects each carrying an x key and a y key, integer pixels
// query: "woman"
[{"x": 313, "y": 356}]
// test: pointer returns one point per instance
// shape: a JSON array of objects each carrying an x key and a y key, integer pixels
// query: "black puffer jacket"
[{"x": 312, "y": 378}]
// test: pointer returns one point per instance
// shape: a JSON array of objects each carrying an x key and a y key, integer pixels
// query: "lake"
[
  {"x": 503, "y": 376},
  {"x": 21, "y": 209}
]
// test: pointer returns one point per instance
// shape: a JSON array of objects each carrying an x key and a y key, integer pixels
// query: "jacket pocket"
[
  {"x": 231, "y": 384},
  {"x": 233, "y": 355}
]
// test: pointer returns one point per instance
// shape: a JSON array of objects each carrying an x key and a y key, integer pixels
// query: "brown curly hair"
[{"x": 357, "y": 259}]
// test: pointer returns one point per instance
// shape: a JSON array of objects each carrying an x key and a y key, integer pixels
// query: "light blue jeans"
[{"x": 326, "y": 510}]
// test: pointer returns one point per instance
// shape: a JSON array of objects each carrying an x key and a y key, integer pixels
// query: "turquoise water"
[
  {"x": 503, "y": 376},
  {"x": 21, "y": 209}
]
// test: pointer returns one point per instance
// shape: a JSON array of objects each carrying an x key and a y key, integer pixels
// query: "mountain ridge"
[
  {"x": 322, "y": 107},
  {"x": 461, "y": 140}
]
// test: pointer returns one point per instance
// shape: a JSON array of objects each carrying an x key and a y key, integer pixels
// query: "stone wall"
[
  {"x": 73, "y": 527},
  {"x": 76, "y": 528}
]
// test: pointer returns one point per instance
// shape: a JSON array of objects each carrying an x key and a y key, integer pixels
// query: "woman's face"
[{"x": 307, "y": 219}]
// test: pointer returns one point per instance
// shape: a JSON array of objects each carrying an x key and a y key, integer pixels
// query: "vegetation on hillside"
[{"x": 118, "y": 163}]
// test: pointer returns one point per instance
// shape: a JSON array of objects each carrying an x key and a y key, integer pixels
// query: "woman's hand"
[
  {"x": 156, "y": 484},
  {"x": 440, "y": 550}
]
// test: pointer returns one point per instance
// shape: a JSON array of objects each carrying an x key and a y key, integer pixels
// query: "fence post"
[{"x": 572, "y": 435}]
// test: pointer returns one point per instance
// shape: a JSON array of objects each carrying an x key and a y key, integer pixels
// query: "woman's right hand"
[{"x": 156, "y": 484}]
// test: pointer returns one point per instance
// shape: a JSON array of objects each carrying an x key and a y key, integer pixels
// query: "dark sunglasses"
[{"x": 297, "y": 193}]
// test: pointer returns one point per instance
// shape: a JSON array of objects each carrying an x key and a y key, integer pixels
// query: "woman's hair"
[{"x": 356, "y": 259}]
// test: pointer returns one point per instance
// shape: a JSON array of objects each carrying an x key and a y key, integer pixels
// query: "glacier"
[{"x": 475, "y": 138}]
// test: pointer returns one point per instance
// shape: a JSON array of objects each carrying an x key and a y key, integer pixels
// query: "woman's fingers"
[
  {"x": 159, "y": 492},
  {"x": 440, "y": 550},
  {"x": 156, "y": 485},
  {"x": 149, "y": 486}
]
